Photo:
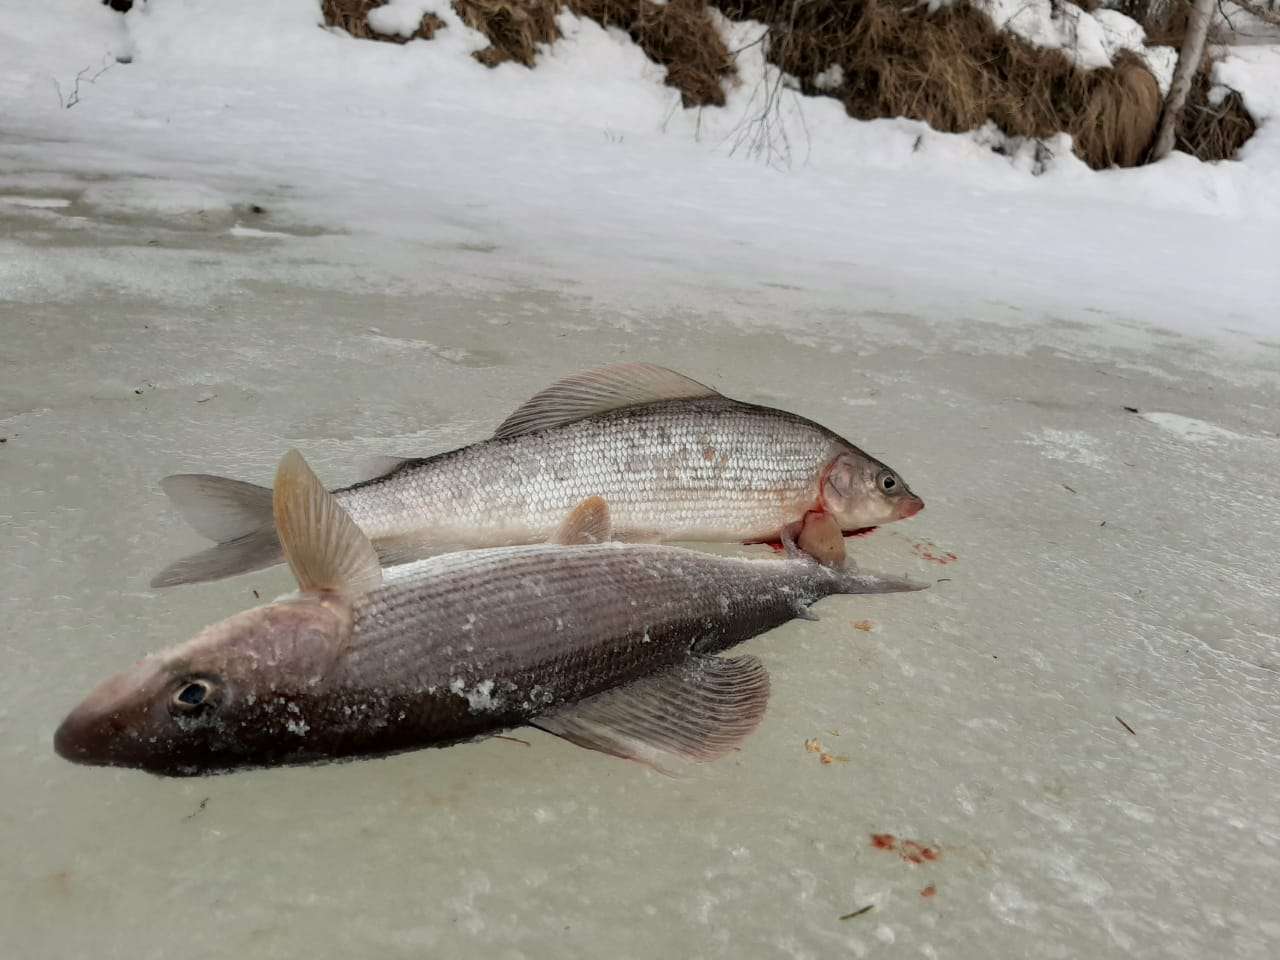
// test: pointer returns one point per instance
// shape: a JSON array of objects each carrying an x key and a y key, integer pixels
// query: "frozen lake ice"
[{"x": 1078, "y": 721}]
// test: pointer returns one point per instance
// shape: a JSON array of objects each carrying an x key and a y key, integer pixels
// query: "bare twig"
[
  {"x": 81, "y": 77},
  {"x": 859, "y": 912},
  {"x": 203, "y": 803},
  {"x": 1255, "y": 9},
  {"x": 1126, "y": 726},
  {"x": 764, "y": 133}
]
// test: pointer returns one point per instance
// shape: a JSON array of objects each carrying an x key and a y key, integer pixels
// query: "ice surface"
[
  {"x": 432, "y": 261},
  {"x": 979, "y": 717}
]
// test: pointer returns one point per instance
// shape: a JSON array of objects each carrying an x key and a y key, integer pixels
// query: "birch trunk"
[{"x": 1188, "y": 61}]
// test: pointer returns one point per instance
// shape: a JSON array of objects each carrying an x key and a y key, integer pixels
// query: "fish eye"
[
  {"x": 192, "y": 697},
  {"x": 888, "y": 482}
]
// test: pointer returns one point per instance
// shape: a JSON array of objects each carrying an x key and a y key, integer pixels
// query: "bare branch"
[
  {"x": 82, "y": 77},
  {"x": 1255, "y": 9}
]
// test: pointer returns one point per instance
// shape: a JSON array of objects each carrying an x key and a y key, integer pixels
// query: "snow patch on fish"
[
  {"x": 480, "y": 697},
  {"x": 298, "y": 727}
]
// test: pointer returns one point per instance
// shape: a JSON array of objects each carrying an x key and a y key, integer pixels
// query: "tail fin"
[{"x": 235, "y": 514}]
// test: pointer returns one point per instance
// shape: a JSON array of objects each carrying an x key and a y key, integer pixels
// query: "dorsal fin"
[
  {"x": 588, "y": 522},
  {"x": 597, "y": 390},
  {"x": 324, "y": 547}
]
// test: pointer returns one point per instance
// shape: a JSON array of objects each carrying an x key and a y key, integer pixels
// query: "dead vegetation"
[
  {"x": 677, "y": 34},
  {"x": 515, "y": 28},
  {"x": 952, "y": 70},
  {"x": 882, "y": 58},
  {"x": 1213, "y": 124}
]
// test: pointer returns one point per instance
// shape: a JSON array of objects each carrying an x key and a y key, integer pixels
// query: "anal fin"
[{"x": 698, "y": 711}]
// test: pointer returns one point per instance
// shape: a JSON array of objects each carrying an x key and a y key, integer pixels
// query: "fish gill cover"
[{"x": 948, "y": 64}]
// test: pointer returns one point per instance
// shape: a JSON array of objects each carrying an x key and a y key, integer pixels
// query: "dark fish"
[
  {"x": 609, "y": 645},
  {"x": 674, "y": 459}
]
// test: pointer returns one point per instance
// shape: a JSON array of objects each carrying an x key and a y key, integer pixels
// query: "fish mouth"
[
  {"x": 70, "y": 741},
  {"x": 909, "y": 506},
  {"x": 93, "y": 739},
  {"x": 74, "y": 740},
  {"x": 106, "y": 728}
]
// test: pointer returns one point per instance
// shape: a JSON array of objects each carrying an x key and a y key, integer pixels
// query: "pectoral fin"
[
  {"x": 698, "y": 711},
  {"x": 817, "y": 535}
]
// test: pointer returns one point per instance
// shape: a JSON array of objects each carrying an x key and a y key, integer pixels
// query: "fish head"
[
  {"x": 860, "y": 492},
  {"x": 217, "y": 702}
]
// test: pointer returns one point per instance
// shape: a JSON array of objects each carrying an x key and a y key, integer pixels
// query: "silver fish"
[
  {"x": 609, "y": 645},
  {"x": 674, "y": 459}
]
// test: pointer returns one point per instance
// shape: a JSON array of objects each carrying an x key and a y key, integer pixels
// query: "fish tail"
[{"x": 235, "y": 514}]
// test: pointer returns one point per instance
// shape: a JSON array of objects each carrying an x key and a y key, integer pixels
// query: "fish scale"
[
  {"x": 701, "y": 469},
  {"x": 570, "y": 621}
]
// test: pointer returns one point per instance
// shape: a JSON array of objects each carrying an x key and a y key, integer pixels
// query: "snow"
[
  {"x": 401, "y": 17},
  {"x": 229, "y": 103},
  {"x": 1191, "y": 429},
  {"x": 479, "y": 697},
  {"x": 1091, "y": 39},
  {"x": 45, "y": 202},
  {"x": 436, "y": 241}
]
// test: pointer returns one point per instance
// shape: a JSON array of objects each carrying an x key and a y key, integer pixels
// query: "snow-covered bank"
[{"x": 586, "y": 174}]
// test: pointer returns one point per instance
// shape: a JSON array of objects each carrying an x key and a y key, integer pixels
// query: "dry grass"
[
  {"x": 949, "y": 69},
  {"x": 677, "y": 34},
  {"x": 1213, "y": 132},
  {"x": 515, "y": 28}
]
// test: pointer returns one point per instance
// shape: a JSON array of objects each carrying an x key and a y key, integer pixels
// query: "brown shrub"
[{"x": 353, "y": 17}]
